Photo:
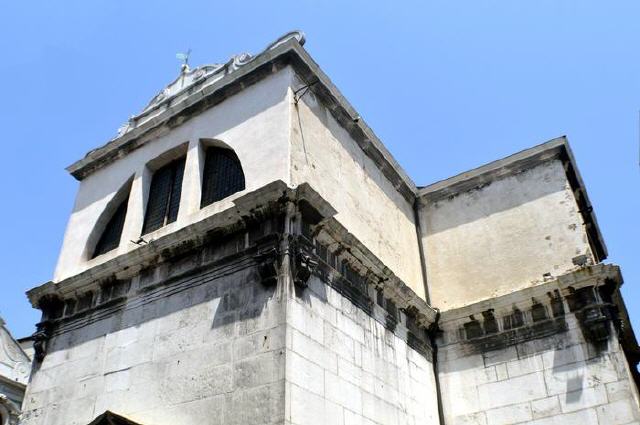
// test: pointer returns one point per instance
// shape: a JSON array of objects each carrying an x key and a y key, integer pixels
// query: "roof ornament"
[
  {"x": 203, "y": 75},
  {"x": 298, "y": 35},
  {"x": 184, "y": 57}
]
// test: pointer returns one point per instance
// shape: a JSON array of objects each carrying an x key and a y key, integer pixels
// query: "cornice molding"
[{"x": 254, "y": 207}]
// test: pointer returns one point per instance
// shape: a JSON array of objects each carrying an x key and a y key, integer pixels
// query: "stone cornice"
[
  {"x": 594, "y": 275},
  {"x": 584, "y": 299},
  {"x": 391, "y": 286},
  {"x": 252, "y": 206},
  {"x": 256, "y": 206}
]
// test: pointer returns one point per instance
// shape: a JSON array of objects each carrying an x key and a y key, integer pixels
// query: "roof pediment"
[
  {"x": 15, "y": 365},
  {"x": 197, "y": 78},
  {"x": 206, "y": 86}
]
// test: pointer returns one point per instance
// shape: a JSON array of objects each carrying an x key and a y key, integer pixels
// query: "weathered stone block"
[
  {"x": 618, "y": 413},
  {"x": 313, "y": 351},
  {"x": 510, "y": 414},
  {"x": 583, "y": 398},
  {"x": 342, "y": 392},
  {"x": 305, "y": 374},
  {"x": 517, "y": 390},
  {"x": 545, "y": 407}
]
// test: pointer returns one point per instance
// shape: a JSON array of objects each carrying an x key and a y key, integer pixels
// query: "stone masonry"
[{"x": 324, "y": 286}]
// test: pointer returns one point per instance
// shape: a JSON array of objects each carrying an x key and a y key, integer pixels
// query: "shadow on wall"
[
  {"x": 210, "y": 304},
  {"x": 323, "y": 122},
  {"x": 499, "y": 196},
  {"x": 568, "y": 355}
]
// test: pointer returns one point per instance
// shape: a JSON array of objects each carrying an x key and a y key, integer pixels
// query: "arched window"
[
  {"x": 164, "y": 196},
  {"x": 110, "y": 237},
  {"x": 222, "y": 175}
]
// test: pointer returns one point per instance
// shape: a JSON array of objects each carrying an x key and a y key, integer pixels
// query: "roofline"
[
  {"x": 291, "y": 53},
  {"x": 557, "y": 148},
  {"x": 266, "y": 63}
]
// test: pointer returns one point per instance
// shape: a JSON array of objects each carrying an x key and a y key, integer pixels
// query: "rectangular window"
[{"x": 164, "y": 196}]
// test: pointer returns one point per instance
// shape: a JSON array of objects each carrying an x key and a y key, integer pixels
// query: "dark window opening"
[
  {"x": 164, "y": 196},
  {"x": 222, "y": 175},
  {"x": 110, "y": 238}
]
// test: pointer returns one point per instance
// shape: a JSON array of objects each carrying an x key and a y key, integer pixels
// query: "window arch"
[
  {"x": 164, "y": 196},
  {"x": 222, "y": 175},
  {"x": 112, "y": 233},
  {"x": 107, "y": 231}
]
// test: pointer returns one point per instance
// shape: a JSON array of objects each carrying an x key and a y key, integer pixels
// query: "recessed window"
[
  {"x": 164, "y": 196},
  {"x": 222, "y": 175},
  {"x": 110, "y": 238}
]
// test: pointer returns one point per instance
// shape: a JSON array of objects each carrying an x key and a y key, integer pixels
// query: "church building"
[
  {"x": 246, "y": 251},
  {"x": 15, "y": 366}
]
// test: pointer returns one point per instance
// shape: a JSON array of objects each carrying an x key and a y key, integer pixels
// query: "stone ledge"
[
  {"x": 254, "y": 207},
  {"x": 584, "y": 298},
  {"x": 579, "y": 278}
]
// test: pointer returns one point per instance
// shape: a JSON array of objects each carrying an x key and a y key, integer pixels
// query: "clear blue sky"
[{"x": 447, "y": 86}]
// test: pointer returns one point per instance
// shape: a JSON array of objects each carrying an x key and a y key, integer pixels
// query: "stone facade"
[
  {"x": 547, "y": 355},
  {"x": 328, "y": 289},
  {"x": 15, "y": 366}
]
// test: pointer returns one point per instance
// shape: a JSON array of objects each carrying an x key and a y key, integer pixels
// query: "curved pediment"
[
  {"x": 15, "y": 365},
  {"x": 191, "y": 80}
]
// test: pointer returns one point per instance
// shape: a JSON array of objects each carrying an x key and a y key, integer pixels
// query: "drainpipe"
[
  {"x": 433, "y": 329},
  {"x": 423, "y": 261},
  {"x": 433, "y": 332}
]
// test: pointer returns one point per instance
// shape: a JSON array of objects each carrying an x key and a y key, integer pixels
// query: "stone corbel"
[
  {"x": 268, "y": 266},
  {"x": 41, "y": 340},
  {"x": 592, "y": 312},
  {"x": 303, "y": 267}
]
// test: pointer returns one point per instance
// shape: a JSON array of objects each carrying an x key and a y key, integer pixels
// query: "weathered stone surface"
[
  {"x": 303, "y": 298},
  {"x": 556, "y": 378}
]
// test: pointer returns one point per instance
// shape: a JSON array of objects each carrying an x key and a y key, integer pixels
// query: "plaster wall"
[
  {"x": 208, "y": 349},
  {"x": 559, "y": 379},
  {"x": 344, "y": 367},
  {"x": 324, "y": 155},
  {"x": 501, "y": 237},
  {"x": 254, "y": 122}
]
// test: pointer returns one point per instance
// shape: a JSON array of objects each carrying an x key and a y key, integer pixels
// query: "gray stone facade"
[
  {"x": 231, "y": 329},
  {"x": 547, "y": 355},
  {"x": 15, "y": 366},
  {"x": 330, "y": 289}
]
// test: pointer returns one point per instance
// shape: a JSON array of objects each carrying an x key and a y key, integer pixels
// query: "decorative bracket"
[
  {"x": 41, "y": 340},
  {"x": 303, "y": 267},
  {"x": 268, "y": 266}
]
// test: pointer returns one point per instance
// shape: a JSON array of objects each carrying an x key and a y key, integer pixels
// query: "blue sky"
[{"x": 447, "y": 86}]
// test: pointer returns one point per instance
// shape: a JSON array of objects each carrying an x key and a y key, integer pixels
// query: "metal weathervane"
[{"x": 184, "y": 57}]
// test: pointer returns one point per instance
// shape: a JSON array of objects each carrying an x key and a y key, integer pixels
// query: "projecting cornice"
[{"x": 253, "y": 207}]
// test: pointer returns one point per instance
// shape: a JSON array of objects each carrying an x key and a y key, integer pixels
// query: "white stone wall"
[
  {"x": 254, "y": 122},
  {"x": 502, "y": 237},
  {"x": 344, "y": 367},
  {"x": 211, "y": 353},
  {"x": 557, "y": 380},
  {"x": 324, "y": 155}
]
